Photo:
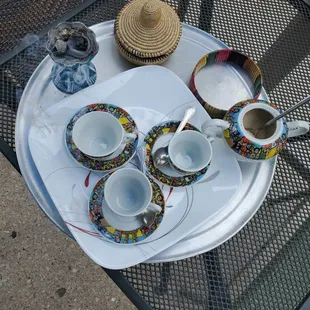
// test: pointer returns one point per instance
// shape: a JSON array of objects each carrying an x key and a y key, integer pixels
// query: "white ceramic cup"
[
  {"x": 98, "y": 134},
  {"x": 128, "y": 192},
  {"x": 190, "y": 151}
]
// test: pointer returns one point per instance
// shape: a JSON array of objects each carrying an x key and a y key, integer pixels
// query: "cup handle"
[
  {"x": 154, "y": 207},
  {"x": 129, "y": 137},
  {"x": 297, "y": 128},
  {"x": 214, "y": 127}
]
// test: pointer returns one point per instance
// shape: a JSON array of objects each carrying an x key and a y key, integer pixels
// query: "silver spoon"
[
  {"x": 294, "y": 107},
  {"x": 147, "y": 218},
  {"x": 161, "y": 156}
]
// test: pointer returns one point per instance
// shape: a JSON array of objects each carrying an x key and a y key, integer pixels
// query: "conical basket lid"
[{"x": 148, "y": 28}]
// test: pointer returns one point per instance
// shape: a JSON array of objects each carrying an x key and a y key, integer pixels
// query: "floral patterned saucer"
[
  {"x": 167, "y": 175},
  {"x": 114, "y": 161},
  {"x": 96, "y": 214}
]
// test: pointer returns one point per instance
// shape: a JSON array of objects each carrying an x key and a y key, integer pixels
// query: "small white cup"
[
  {"x": 98, "y": 134},
  {"x": 128, "y": 192},
  {"x": 190, "y": 151}
]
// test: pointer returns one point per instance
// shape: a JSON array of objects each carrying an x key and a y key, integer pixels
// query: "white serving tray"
[{"x": 150, "y": 94}]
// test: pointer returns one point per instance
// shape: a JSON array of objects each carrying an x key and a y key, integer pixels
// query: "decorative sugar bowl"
[
  {"x": 243, "y": 130},
  {"x": 72, "y": 46}
]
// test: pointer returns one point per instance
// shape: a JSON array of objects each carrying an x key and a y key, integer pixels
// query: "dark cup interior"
[{"x": 255, "y": 119}]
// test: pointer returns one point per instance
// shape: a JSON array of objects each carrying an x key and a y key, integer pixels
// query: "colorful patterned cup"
[
  {"x": 128, "y": 192},
  {"x": 99, "y": 134}
]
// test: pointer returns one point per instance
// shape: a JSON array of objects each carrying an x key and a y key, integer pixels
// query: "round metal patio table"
[{"x": 264, "y": 266}]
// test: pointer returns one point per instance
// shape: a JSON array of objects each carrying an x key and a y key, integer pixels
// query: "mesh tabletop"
[{"x": 266, "y": 265}]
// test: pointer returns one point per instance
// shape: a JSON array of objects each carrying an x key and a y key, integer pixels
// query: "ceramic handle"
[
  {"x": 214, "y": 127},
  {"x": 297, "y": 128},
  {"x": 129, "y": 137},
  {"x": 189, "y": 113},
  {"x": 154, "y": 207}
]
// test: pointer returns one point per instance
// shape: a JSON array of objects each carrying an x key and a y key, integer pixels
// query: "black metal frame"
[
  {"x": 127, "y": 289},
  {"x": 9, "y": 154}
]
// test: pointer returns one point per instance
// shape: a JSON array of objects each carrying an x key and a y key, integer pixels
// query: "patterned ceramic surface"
[
  {"x": 149, "y": 141},
  {"x": 116, "y": 235},
  {"x": 242, "y": 145},
  {"x": 128, "y": 152}
]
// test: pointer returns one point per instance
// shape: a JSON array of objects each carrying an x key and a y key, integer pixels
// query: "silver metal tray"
[{"x": 40, "y": 94}]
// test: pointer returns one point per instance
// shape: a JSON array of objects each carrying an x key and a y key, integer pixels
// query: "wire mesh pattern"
[
  {"x": 266, "y": 265},
  {"x": 21, "y": 20}
]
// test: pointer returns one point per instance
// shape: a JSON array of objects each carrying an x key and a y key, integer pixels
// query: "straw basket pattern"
[{"x": 147, "y": 31}]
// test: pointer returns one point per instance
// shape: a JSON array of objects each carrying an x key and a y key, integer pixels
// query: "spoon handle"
[
  {"x": 189, "y": 113},
  {"x": 296, "y": 106}
]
